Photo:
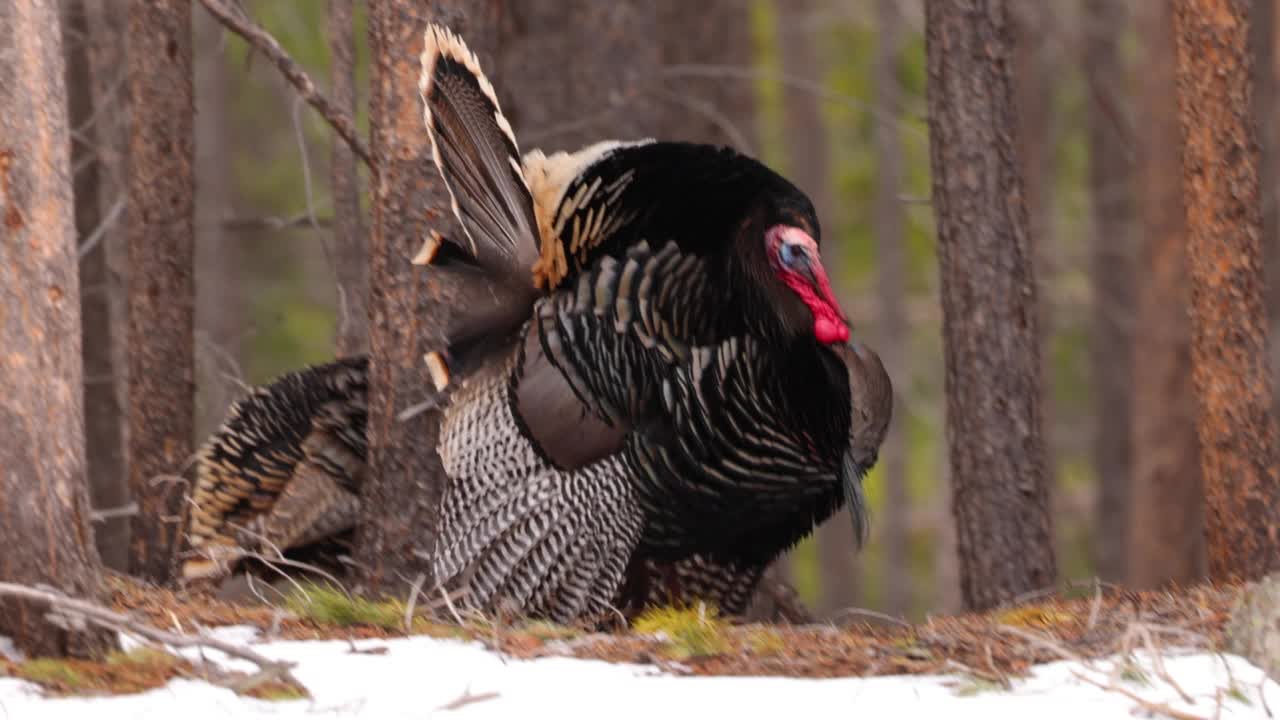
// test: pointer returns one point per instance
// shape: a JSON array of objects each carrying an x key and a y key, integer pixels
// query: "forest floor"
[{"x": 987, "y": 648}]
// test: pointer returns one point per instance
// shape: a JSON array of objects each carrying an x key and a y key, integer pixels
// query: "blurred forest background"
[{"x": 831, "y": 93}]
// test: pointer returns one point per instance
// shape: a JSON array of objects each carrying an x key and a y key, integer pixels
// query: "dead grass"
[{"x": 989, "y": 647}]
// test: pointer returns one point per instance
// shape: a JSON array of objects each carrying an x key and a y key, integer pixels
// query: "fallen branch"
[
  {"x": 74, "y": 609},
  {"x": 262, "y": 41},
  {"x": 1149, "y": 705}
]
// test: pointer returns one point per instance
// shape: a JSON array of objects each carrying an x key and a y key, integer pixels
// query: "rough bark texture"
[
  {"x": 44, "y": 498},
  {"x": 161, "y": 289},
  {"x": 104, "y": 444},
  {"x": 219, "y": 260},
  {"x": 989, "y": 323},
  {"x": 1262, "y": 43},
  {"x": 1033, "y": 99},
  {"x": 1111, "y": 271},
  {"x": 1166, "y": 534},
  {"x": 702, "y": 109},
  {"x": 890, "y": 223},
  {"x": 406, "y": 303},
  {"x": 605, "y": 61},
  {"x": 1229, "y": 360},
  {"x": 348, "y": 227}
]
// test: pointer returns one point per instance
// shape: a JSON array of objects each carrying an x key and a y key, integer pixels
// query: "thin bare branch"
[
  {"x": 76, "y": 610},
  {"x": 261, "y": 40}
]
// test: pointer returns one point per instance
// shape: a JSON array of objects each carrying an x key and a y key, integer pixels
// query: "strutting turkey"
[{"x": 650, "y": 389}]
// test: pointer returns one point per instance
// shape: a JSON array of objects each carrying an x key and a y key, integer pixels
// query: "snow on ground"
[{"x": 421, "y": 678}]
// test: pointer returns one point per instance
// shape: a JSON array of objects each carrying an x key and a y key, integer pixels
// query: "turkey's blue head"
[{"x": 796, "y": 261}]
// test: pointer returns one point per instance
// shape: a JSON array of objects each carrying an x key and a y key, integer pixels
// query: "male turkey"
[{"x": 648, "y": 378}]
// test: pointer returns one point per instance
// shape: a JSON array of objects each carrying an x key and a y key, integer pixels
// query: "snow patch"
[{"x": 422, "y": 677}]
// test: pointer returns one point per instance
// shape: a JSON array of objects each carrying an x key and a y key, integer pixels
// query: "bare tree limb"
[
  {"x": 76, "y": 610},
  {"x": 262, "y": 41}
]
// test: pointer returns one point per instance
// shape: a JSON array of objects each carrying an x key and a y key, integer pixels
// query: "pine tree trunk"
[
  {"x": 44, "y": 497},
  {"x": 990, "y": 318},
  {"x": 606, "y": 61},
  {"x": 220, "y": 314},
  {"x": 1229, "y": 361},
  {"x": 161, "y": 289},
  {"x": 1166, "y": 535},
  {"x": 1111, "y": 273},
  {"x": 702, "y": 109},
  {"x": 407, "y": 304},
  {"x": 348, "y": 224},
  {"x": 104, "y": 444},
  {"x": 890, "y": 223}
]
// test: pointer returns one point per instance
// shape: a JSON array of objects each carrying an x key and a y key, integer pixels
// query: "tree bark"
[
  {"x": 401, "y": 497},
  {"x": 1033, "y": 100},
  {"x": 104, "y": 444},
  {"x": 348, "y": 224},
  {"x": 706, "y": 110},
  {"x": 220, "y": 313},
  {"x": 44, "y": 498},
  {"x": 989, "y": 318},
  {"x": 1111, "y": 271},
  {"x": 160, "y": 220},
  {"x": 606, "y": 61},
  {"x": 1166, "y": 535},
  {"x": 1229, "y": 359},
  {"x": 890, "y": 226},
  {"x": 1262, "y": 43}
]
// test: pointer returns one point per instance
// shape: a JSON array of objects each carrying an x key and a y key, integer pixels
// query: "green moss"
[
  {"x": 278, "y": 692},
  {"x": 544, "y": 631},
  {"x": 54, "y": 673},
  {"x": 687, "y": 632},
  {"x": 326, "y": 605}
]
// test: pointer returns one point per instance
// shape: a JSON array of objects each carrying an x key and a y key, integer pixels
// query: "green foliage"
[
  {"x": 53, "y": 672},
  {"x": 686, "y": 632},
  {"x": 326, "y": 605}
]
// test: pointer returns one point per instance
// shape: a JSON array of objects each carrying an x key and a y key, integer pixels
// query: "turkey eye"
[{"x": 792, "y": 255}]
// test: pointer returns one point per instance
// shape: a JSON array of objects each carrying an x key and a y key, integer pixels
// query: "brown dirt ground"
[
  {"x": 986, "y": 647},
  {"x": 989, "y": 646}
]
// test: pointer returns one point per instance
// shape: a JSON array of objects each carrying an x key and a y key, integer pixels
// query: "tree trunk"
[
  {"x": 1262, "y": 43},
  {"x": 603, "y": 89},
  {"x": 44, "y": 498},
  {"x": 890, "y": 225},
  {"x": 104, "y": 444},
  {"x": 1111, "y": 273},
  {"x": 701, "y": 109},
  {"x": 1166, "y": 535},
  {"x": 161, "y": 288},
  {"x": 401, "y": 497},
  {"x": 989, "y": 311},
  {"x": 348, "y": 226},
  {"x": 108, "y": 71},
  {"x": 1033, "y": 101},
  {"x": 219, "y": 262},
  {"x": 1229, "y": 359}
]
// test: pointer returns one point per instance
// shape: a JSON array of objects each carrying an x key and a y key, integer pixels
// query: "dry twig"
[
  {"x": 1149, "y": 705},
  {"x": 75, "y": 609},
  {"x": 262, "y": 41}
]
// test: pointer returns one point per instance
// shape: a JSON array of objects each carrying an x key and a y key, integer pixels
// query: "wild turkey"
[{"x": 648, "y": 377}]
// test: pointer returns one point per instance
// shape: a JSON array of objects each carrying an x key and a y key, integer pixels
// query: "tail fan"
[
  {"x": 298, "y": 442},
  {"x": 475, "y": 149}
]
